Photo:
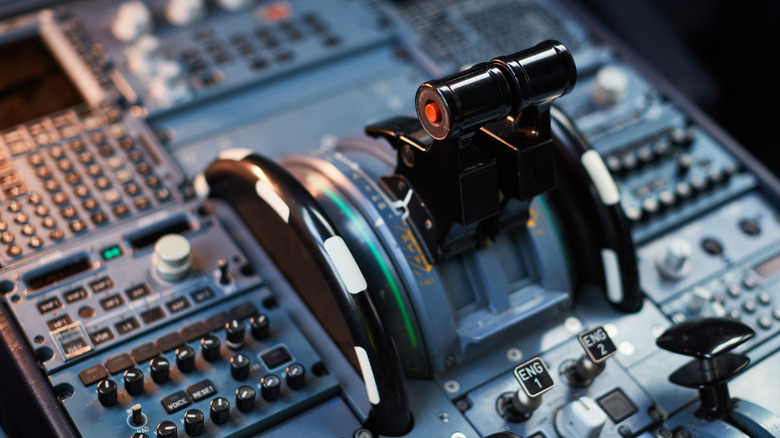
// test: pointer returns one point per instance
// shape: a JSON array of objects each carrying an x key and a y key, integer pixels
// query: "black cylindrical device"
[{"x": 491, "y": 91}]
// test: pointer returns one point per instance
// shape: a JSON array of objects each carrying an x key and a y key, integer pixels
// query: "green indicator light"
[
  {"x": 374, "y": 252},
  {"x": 111, "y": 252}
]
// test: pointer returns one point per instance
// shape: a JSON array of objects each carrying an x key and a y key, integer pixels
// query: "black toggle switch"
[
  {"x": 193, "y": 422},
  {"x": 134, "y": 381},
  {"x": 709, "y": 341},
  {"x": 245, "y": 398},
  {"x": 239, "y": 366},
  {"x": 260, "y": 326},
  {"x": 137, "y": 415},
  {"x": 295, "y": 375},
  {"x": 185, "y": 359},
  {"x": 219, "y": 410},
  {"x": 160, "y": 369},
  {"x": 139, "y": 435},
  {"x": 224, "y": 269},
  {"x": 234, "y": 332},
  {"x": 598, "y": 348},
  {"x": 271, "y": 386},
  {"x": 167, "y": 429},
  {"x": 209, "y": 347},
  {"x": 107, "y": 392}
]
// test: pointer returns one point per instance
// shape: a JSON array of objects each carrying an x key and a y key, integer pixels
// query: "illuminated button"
[
  {"x": 81, "y": 190},
  {"x": 34, "y": 198},
  {"x": 72, "y": 178},
  {"x": 433, "y": 112},
  {"x": 43, "y": 172},
  {"x": 59, "y": 198},
  {"x": 34, "y": 242},
  {"x": 56, "y": 234},
  {"x": 51, "y": 185},
  {"x": 41, "y": 210},
  {"x": 20, "y": 218},
  {"x": 7, "y": 237},
  {"x": 77, "y": 226},
  {"x": 120, "y": 210},
  {"x": 111, "y": 252}
]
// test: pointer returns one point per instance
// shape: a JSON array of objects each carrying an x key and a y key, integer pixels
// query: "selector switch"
[
  {"x": 295, "y": 376},
  {"x": 134, "y": 381},
  {"x": 219, "y": 409},
  {"x": 193, "y": 422},
  {"x": 270, "y": 387},
  {"x": 172, "y": 258},
  {"x": 209, "y": 347},
  {"x": 167, "y": 429},
  {"x": 160, "y": 369},
  {"x": 235, "y": 330},
  {"x": 107, "y": 392},
  {"x": 260, "y": 326},
  {"x": 239, "y": 367},
  {"x": 245, "y": 398},
  {"x": 185, "y": 359}
]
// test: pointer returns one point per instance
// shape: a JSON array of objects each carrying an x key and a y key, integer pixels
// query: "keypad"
[{"x": 66, "y": 175}]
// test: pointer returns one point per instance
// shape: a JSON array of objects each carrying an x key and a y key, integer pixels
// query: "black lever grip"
[{"x": 271, "y": 201}]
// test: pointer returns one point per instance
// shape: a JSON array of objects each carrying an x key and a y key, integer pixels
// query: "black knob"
[
  {"x": 245, "y": 398},
  {"x": 220, "y": 410},
  {"x": 295, "y": 375},
  {"x": 234, "y": 331},
  {"x": 239, "y": 367},
  {"x": 185, "y": 359},
  {"x": 193, "y": 422},
  {"x": 709, "y": 341},
  {"x": 134, "y": 381},
  {"x": 271, "y": 385},
  {"x": 160, "y": 369},
  {"x": 167, "y": 429},
  {"x": 210, "y": 346},
  {"x": 139, "y": 435},
  {"x": 259, "y": 325},
  {"x": 107, "y": 393}
]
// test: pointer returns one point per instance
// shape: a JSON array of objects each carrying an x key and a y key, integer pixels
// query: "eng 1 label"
[
  {"x": 597, "y": 344},
  {"x": 534, "y": 377}
]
